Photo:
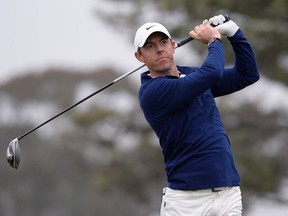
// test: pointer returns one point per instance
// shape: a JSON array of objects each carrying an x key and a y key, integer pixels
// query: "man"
[{"x": 178, "y": 102}]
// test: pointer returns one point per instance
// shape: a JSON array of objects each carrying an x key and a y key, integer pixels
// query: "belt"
[{"x": 215, "y": 190}]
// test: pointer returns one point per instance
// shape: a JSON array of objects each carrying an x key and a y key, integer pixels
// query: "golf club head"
[{"x": 13, "y": 154}]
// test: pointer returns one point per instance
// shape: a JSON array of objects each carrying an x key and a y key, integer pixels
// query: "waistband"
[{"x": 215, "y": 190}]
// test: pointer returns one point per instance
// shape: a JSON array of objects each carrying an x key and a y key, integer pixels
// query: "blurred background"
[{"x": 102, "y": 158}]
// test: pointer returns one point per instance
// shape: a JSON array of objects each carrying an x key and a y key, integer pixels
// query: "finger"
[
  {"x": 205, "y": 22},
  {"x": 193, "y": 34},
  {"x": 222, "y": 18},
  {"x": 213, "y": 20}
]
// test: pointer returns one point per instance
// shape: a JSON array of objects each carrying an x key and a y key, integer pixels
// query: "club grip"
[
  {"x": 188, "y": 39},
  {"x": 181, "y": 43}
]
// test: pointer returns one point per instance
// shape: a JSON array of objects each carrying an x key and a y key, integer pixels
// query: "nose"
[{"x": 159, "y": 48}]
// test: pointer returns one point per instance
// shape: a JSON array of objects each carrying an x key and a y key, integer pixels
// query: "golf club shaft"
[
  {"x": 179, "y": 44},
  {"x": 81, "y": 101}
]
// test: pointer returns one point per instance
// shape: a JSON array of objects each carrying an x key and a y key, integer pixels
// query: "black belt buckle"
[{"x": 218, "y": 189}]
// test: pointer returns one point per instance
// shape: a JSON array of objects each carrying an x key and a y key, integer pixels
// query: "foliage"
[
  {"x": 99, "y": 161},
  {"x": 83, "y": 163},
  {"x": 264, "y": 22},
  {"x": 265, "y": 25}
]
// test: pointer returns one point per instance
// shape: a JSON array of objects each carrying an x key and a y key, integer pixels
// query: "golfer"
[{"x": 178, "y": 102}]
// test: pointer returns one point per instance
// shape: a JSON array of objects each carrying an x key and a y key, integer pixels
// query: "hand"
[
  {"x": 227, "y": 29},
  {"x": 204, "y": 32}
]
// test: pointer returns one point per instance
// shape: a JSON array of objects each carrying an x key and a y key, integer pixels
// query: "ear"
[
  {"x": 173, "y": 44},
  {"x": 139, "y": 57}
]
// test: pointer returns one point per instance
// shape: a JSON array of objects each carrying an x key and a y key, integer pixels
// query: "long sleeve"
[{"x": 244, "y": 72}]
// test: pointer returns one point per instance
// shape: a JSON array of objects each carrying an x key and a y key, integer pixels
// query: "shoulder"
[{"x": 186, "y": 69}]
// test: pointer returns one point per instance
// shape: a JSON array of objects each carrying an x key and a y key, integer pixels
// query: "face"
[{"x": 157, "y": 54}]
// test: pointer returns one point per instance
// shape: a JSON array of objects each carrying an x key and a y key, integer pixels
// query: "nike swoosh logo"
[{"x": 149, "y": 27}]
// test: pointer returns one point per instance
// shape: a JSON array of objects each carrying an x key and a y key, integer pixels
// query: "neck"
[{"x": 172, "y": 71}]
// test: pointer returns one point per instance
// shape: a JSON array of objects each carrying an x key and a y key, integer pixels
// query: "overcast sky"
[{"x": 36, "y": 34}]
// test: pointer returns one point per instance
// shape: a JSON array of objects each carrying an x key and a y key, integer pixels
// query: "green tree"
[{"x": 264, "y": 22}]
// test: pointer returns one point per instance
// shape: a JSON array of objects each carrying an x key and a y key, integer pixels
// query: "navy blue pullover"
[{"x": 183, "y": 114}]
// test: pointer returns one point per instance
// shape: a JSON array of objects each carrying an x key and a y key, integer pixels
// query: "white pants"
[{"x": 227, "y": 202}]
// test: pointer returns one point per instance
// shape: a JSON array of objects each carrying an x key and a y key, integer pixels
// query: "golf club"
[{"x": 13, "y": 150}]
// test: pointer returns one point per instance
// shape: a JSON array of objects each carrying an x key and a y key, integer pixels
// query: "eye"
[
  {"x": 165, "y": 41},
  {"x": 149, "y": 46}
]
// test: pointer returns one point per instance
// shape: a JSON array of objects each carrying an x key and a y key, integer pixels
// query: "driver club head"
[{"x": 13, "y": 154}]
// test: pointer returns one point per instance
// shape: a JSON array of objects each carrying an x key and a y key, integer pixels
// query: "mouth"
[{"x": 162, "y": 58}]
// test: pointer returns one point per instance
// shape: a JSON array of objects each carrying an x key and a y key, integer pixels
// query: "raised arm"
[{"x": 245, "y": 71}]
